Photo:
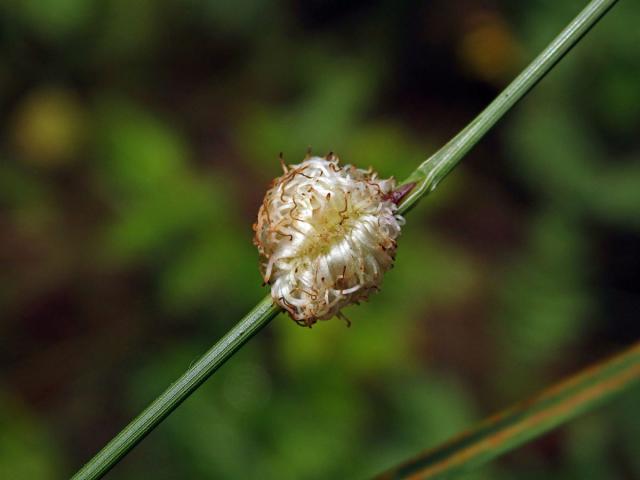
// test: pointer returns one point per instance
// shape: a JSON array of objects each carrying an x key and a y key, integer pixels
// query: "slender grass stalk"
[
  {"x": 429, "y": 174},
  {"x": 162, "y": 406},
  {"x": 426, "y": 176},
  {"x": 525, "y": 421}
]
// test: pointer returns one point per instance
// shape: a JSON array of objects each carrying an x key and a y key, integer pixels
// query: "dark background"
[{"x": 136, "y": 141}]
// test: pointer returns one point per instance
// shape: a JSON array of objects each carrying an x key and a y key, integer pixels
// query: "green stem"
[
  {"x": 525, "y": 421},
  {"x": 162, "y": 406},
  {"x": 429, "y": 174}
]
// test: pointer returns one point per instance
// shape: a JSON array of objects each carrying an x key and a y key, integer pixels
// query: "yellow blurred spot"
[
  {"x": 48, "y": 127},
  {"x": 488, "y": 49}
]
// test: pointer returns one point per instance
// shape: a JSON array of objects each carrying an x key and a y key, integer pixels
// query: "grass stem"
[
  {"x": 431, "y": 172},
  {"x": 427, "y": 176},
  {"x": 184, "y": 386},
  {"x": 525, "y": 421}
]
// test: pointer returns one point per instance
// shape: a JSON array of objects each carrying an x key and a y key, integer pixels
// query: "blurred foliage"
[
  {"x": 137, "y": 140},
  {"x": 26, "y": 451}
]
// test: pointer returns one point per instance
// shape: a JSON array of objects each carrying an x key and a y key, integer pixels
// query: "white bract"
[{"x": 326, "y": 235}]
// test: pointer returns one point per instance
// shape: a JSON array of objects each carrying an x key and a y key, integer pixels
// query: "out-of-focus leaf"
[
  {"x": 421, "y": 408},
  {"x": 625, "y": 418},
  {"x": 49, "y": 127},
  {"x": 244, "y": 16},
  {"x": 126, "y": 31},
  {"x": 544, "y": 298},
  {"x": 56, "y": 19},
  {"x": 26, "y": 449},
  {"x": 589, "y": 444},
  {"x": 323, "y": 118},
  {"x": 138, "y": 152}
]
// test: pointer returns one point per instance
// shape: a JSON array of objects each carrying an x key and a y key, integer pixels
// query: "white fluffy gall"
[{"x": 326, "y": 235}]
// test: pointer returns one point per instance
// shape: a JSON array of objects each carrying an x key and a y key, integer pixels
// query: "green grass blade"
[
  {"x": 429, "y": 174},
  {"x": 525, "y": 421},
  {"x": 162, "y": 406},
  {"x": 426, "y": 176}
]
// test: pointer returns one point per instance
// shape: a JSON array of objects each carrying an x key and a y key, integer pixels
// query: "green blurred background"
[{"x": 137, "y": 139}]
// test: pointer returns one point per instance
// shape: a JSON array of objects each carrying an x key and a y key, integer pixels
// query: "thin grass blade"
[
  {"x": 525, "y": 421},
  {"x": 426, "y": 177},
  {"x": 184, "y": 386},
  {"x": 431, "y": 172}
]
